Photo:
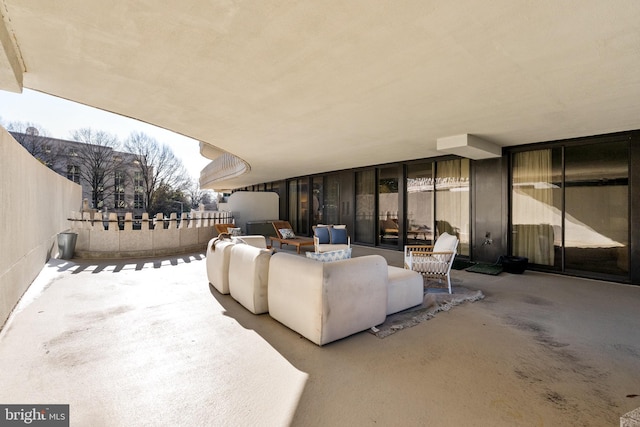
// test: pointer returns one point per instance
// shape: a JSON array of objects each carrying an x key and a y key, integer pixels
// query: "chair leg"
[{"x": 449, "y": 283}]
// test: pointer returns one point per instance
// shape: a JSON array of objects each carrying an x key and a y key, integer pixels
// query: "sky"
[{"x": 59, "y": 117}]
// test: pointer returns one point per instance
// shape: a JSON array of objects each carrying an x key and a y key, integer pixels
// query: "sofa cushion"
[
  {"x": 405, "y": 289},
  {"x": 338, "y": 236},
  {"x": 256, "y": 240},
  {"x": 445, "y": 243},
  {"x": 329, "y": 247},
  {"x": 330, "y": 256},
  {"x": 322, "y": 233},
  {"x": 218, "y": 256},
  {"x": 287, "y": 233},
  {"x": 248, "y": 275}
]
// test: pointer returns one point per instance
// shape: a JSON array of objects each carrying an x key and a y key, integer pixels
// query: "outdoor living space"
[{"x": 149, "y": 342}]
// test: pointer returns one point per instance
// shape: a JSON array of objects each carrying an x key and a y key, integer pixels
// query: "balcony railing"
[{"x": 129, "y": 237}]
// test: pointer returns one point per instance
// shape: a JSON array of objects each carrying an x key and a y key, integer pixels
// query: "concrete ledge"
[
  {"x": 94, "y": 242},
  {"x": 631, "y": 419}
]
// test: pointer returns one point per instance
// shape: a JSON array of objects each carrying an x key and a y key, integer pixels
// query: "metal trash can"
[{"x": 67, "y": 244}]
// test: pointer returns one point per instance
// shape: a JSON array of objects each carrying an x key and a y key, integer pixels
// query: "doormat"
[
  {"x": 461, "y": 264},
  {"x": 492, "y": 269}
]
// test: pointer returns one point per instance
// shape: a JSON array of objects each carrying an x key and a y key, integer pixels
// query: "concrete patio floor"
[{"x": 148, "y": 342}]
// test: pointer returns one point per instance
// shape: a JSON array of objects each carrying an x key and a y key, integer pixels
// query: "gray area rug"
[{"x": 435, "y": 301}]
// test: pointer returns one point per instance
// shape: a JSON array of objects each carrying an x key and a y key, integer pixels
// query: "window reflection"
[
  {"x": 420, "y": 198},
  {"x": 452, "y": 200},
  {"x": 592, "y": 232},
  {"x": 365, "y": 207},
  {"x": 388, "y": 206},
  {"x": 536, "y": 218},
  {"x": 597, "y": 213}
]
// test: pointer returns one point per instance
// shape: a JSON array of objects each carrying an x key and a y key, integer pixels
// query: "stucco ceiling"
[{"x": 299, "y": 87}]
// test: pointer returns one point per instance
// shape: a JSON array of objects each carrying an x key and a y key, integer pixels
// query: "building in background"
[{"x": 110, "y": 179}]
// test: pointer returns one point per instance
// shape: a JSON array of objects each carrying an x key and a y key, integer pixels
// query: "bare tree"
[
  {"x": 198, "y": 196},
  {"x": 96, "y": 162},
  {"x": 158, "y": 166},
  {"x": 35, "y": 140}
]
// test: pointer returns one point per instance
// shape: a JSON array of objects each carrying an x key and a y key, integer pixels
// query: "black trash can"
[
  {"x": 67, "y": 244},
  {"x": 514, "y": 264}
]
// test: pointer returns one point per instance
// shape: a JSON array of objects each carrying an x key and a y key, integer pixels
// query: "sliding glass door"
[
  {"x": 452, "y": 201},
  {"x": 388, "y": 206},
  {"x": 365, "y": 207},
  {"x": 536, "y": 206},
  {"x": 299, "y": 205},
  {"x": 420, "y": 203},
  {"x": 597, "y": 208},
  {"x": 570, "y": 208}
]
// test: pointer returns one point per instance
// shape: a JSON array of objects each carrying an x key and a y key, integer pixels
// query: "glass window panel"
[
  {"x": 332, "y": 200},
  {"x": 597, "y": 210},
  {"x": 420, "y": 198},
  {"x": 138, "y": 200},
  {"x": 293, "y": 203},
  {"x": 452, "y": 201},
  {"x": 73, "y": 173},
  {"x": 365, "y": 207},
  {"x": 388, "y": 205},
  {"x": 536, "y": 206},
  {"x": 303, "y": 219},
  {"x": 317, "y": 198},
  {"x": 299, "y": 205}
]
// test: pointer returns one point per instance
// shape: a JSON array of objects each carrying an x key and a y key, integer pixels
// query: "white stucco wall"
[
  {"x": 252, "y": 206},
  {"x": 35, "y": 203}
]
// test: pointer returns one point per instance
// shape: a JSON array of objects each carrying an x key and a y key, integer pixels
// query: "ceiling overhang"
[
  {"x": 299, "y": 88},
  {"x": 10, "y": 64},
  {"x": 469, "y": 146}
]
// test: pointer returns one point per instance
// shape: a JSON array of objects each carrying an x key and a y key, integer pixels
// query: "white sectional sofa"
[
  {"x": 326, "y": 301},
  {"x": 322, "y": 301}
]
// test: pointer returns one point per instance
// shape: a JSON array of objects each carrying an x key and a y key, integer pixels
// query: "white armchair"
[
  {"x": 328, "y": 238},
  {"x": 433, "y": 261}
]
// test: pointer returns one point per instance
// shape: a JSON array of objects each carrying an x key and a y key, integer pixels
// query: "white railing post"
[
  {"x": 113, "y": 222},
  {"x": 159, "y": 223},
  {"x": 128, "y": 221},
  {"x": 145, "y": 224},
  {"x": 97, "y": 217},
  {"x": 87, "y": 224}
]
